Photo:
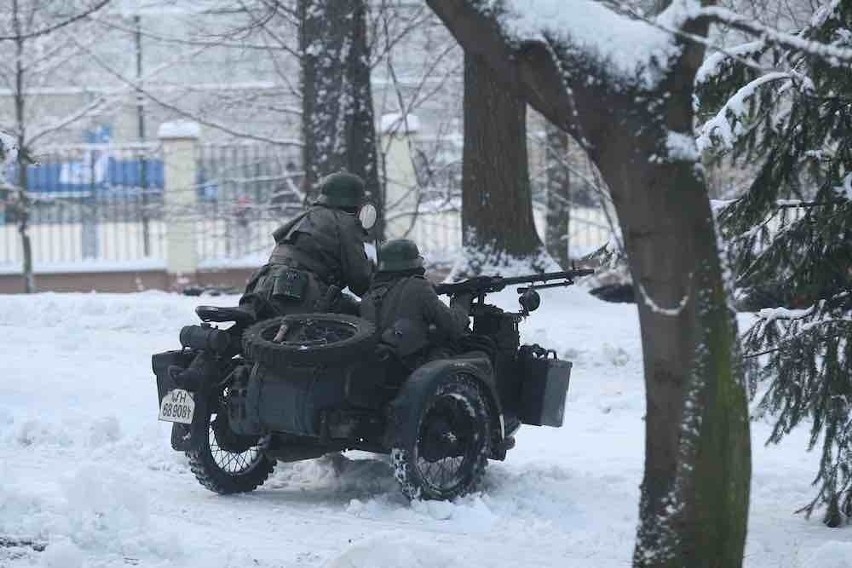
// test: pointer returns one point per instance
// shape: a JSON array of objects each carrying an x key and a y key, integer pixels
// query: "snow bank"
[
  {"x": 395, "y": 550},
  {"x": 87, "y": 471},
  {"x": 91, "y": 508},
  {"x": 633, "y": 51},
  {"x": 833, "y": 554},
  {"x": 147, "y": 312}
]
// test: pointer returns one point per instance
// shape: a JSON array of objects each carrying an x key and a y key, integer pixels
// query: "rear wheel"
[
  {"x": 448, "y": 455},
  {"x": 223, "y": 461}
]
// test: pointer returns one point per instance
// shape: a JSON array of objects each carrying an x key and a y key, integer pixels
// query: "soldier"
[
  {"x": 317, "y": 254},
  {"x": 405, "y": 307}
]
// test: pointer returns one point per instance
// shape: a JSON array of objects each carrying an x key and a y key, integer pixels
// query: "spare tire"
[{"x": 309, "y": 339}]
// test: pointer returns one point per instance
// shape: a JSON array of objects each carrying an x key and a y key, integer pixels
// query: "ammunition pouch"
[{"x": 289, "y": 283}]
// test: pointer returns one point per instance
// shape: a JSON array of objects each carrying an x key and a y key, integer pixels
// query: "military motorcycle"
[{"x": 243, "y": 397}]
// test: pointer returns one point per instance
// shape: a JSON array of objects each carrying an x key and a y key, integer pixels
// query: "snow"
[
  {"x": 634, "y": 51},
  {"x": 681, "y": 147},
  {"x": 844, "y": 191},
  {"x": 397, "y": 122},
  {"x": 179, "y": 129},
  {"x": 713, "y": 63},
  {"x": 87, "y": 470},
  {"x": 88, "y": 266},
  {"x": 723, "y": 128},
  {"x": 8, "y": 151},
  {"x": 771, "y": 314}
]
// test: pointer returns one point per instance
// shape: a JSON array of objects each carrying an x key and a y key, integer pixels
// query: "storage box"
[{"x": 544, "y": 387}]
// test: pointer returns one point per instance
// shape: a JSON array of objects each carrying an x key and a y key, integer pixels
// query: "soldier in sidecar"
[
  {"x": 409, "y": 316},
  {"x": 303, "y": 385}
]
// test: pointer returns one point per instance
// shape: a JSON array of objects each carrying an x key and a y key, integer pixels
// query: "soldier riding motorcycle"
[{"x": 316, "y": 255}]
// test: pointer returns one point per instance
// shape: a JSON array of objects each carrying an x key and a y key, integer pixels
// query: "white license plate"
[{"x": 177, "y": 406}]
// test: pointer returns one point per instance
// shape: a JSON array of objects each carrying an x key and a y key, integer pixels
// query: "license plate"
[{"x": 177, "y": 406}]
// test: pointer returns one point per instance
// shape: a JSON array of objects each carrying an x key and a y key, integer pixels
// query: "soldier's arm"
[
  {"x": 450, "y": 321},
  {"x": 357, "y": 269}
]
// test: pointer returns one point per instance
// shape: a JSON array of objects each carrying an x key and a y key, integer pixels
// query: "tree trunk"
[
  {"x": 558, "y": 195},
  {"x": 498, "y": 229},
  {"x": 338, "y": 126},
  {"x": 695, "y": 490},
  {"x": 23, "y": 201}
]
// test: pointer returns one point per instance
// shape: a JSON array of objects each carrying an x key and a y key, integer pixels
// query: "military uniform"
[
  {"x": 316, "y": 255},
  {"x": 405, "y": 308}
]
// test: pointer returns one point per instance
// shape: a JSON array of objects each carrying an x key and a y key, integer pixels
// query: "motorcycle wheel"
[
  {"x": 309, "y": 339},
  {"x": 224, "y": 462},
  {"x": 447, "y": 457}
]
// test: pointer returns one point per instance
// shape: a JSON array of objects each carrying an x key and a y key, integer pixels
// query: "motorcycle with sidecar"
[{"x": 243, "y": 397}]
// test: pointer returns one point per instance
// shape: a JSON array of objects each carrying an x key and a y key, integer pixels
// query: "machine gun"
[{"x": 479, "y": 286}]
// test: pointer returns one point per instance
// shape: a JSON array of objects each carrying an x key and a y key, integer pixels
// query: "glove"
[{"x": 463, "y": 299}]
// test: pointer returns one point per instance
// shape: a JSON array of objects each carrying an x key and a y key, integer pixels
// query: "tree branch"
[
  {"x": 136, "y": 85},
  {"x": 59, "y": 25},
  {"x": 725, "y": 16}
]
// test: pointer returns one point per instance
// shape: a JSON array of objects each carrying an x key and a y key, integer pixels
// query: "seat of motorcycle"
[{"x": 219, "y": 314}]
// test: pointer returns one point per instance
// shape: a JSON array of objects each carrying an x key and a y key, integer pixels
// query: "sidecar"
[{"x": 301, "y": 386}]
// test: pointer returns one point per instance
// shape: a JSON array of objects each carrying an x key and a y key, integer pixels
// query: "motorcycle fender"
[
  {"x": 184, "y": 436},
  {"x": 422, "y": 381}
]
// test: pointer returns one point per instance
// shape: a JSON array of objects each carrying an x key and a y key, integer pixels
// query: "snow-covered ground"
[{"x": 86, "y": 469}]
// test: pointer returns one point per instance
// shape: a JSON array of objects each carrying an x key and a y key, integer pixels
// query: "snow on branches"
[
  {"x": 782, "y": 110},
  {"x": 630, "y": 50}
]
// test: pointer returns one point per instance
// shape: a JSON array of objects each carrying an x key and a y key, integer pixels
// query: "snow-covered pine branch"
[
  {"x": 835, "y": 55},
  {"x": 723, "y": 126},
  {"x": 789, "y": 234}
]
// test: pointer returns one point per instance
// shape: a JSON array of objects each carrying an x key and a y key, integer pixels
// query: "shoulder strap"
[
  {"x": 402, "y": 282},
  {"x": 284, "y": 230}
]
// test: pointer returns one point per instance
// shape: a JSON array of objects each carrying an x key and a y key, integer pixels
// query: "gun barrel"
[
  {"x": 485, "y": 284},
  {"x": 546, "y": 276}
]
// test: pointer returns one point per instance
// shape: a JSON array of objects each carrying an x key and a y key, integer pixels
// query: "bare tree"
[
  {"x": 634, "y": 117},
  {"x": 36, "y": 34}
]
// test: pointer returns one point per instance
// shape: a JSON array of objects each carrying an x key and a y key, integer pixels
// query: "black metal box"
[{"x": 544, "y": 387}]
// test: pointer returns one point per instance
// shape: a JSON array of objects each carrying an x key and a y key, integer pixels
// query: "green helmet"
[
  {"x": 341, "y": 189},
  {"x": 398, "y": 255}
]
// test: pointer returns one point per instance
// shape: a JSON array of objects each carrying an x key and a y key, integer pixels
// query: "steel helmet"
[
  {"x": 341, "y": 189},
  {"x": 398, "y": 255}
]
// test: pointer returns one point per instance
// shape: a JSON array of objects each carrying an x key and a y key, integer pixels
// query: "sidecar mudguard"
[{"x": 422, "y": 382}]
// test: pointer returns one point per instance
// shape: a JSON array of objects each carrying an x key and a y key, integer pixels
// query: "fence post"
[
  {"x": 179, "y": 140},
  {"x": 401, "y": 191}
]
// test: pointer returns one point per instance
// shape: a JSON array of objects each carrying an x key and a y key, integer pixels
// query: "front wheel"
[
  {"x": 225, "y": 462},
  {"x": 448, "y": 455}
]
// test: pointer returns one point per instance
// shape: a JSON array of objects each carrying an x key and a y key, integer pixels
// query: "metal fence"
[
  {"x": 101, "y": 206},
  {"x": 91, "y": 202},
  {"x": 247, "y": 191}
]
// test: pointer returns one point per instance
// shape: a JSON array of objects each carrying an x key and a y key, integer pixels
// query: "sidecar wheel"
[
  {"x": 447, "y": 456},
  {"x": 310, "y": 339},
  {"x": 225, "y": 463}
]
